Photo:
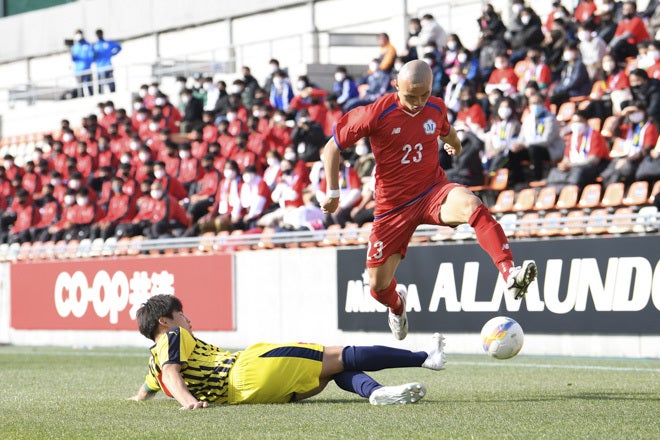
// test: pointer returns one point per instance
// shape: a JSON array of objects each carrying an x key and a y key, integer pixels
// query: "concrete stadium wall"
[{"x": 298, "y": 294}]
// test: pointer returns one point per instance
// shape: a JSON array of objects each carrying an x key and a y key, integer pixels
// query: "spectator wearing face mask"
[
  {"x": 430, "y": 31},
  {"x": 189, "y": 167},
  {"x": 344, "y": 86},
  {"x": 539, "y": 142},
  {"x": 574, "y": 80},
  {"x": 26, "y": 215},
  {"x": 364, "y": 161},
  {"x": 630, "y": 32},
  {"x": 470, "y": 112},
  {"x": 255, "y": 198},
  {"x": 279, "y": 133},
  {"x": 528, "y": 34},
  {"x": 377, "y": 84},
  {"x": 85, "y": 214},
  {"x": 503, "y": 77},
  {"x": 49, "y": 212},
  {"x": 281, "y": 91},
  {"x": 453, "y": 88},
  {"x": 242, "y": 156},
  {"x": 170, "y": 183},
  {"x": 533, "y": 68},
  {"x": 592, "y": 49},
  {"x": 168, "y": 218},
  {"x": 653, "y": 59},
  {"x": 502, "y": 134},
  {"x": 192, "y": 111},
  {"x": 646, "y": 90},
  {"x": 585, "y": 157},
  {"x": 204, "y": 190},
  {"x": 450, "y": 52},
  {"x": 638, "y": 137},
  {"x": 237, "y": 125},
  {"x": 308, "y": 138}
]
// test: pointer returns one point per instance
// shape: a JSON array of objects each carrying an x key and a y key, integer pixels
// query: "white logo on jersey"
[
  {"x": 396, "y": 130},
  {"x": 429, "y": 126}
]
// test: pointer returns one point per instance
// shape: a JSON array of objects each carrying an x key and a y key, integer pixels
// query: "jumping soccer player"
[
  {"x": 411, "y": 187},
  {"x": 196, "y": 373}
]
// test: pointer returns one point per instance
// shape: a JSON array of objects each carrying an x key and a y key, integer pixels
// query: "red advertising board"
[{"x": 104, "y": 294}]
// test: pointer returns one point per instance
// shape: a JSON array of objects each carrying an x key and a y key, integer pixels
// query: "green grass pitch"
[{"x": 63, "y": 393}]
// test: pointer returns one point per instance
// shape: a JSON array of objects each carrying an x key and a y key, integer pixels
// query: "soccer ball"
[{"x": 502, "y": 337}]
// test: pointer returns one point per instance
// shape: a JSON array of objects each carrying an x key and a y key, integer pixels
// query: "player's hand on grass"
[
  {"x": 330, "y": 205},
  {"x": 195, "y": 405}
]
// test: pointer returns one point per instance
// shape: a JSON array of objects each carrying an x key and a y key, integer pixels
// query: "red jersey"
[
  {"x": 635, "y": 27},
  {"x": 589, "y": 144},
  {"x": 199, "y": 149},
  {"x": 121, "y": 209},
  {"x": 405, "y": 146},
  {"x": 49, "y": 212}
]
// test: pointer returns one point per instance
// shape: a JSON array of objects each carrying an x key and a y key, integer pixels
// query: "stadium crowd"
[{"x": 573, "y": 98}]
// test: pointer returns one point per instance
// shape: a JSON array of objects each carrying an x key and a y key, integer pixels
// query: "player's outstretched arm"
[
  {"x": 331, "y": 164},
  {"x": 453, "y": 145},
  {"x": 175, "y": 384}
]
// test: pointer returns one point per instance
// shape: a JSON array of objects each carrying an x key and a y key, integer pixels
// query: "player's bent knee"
[{"x": 332, "y": 362}]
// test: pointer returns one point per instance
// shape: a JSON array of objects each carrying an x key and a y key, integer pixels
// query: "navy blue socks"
[
  {"x": 356, "y": 382},
  {"x": 378, "y": 357}
]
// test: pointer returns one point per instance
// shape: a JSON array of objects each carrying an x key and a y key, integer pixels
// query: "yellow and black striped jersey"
[{"x": 204, "y": 367}]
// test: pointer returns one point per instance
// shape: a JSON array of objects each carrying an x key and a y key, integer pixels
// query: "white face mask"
[
  {"x": 361, "y": 150},
  {"x": 454, "y": 77},
  {"x": 608, "y": 66},
  {"x": 125, "y": 159},
  {"x": 373, "y": 67},
  {"x": 301, "y": 85},
  {"x": 156, "y": 193},
  {"x": 108, "y": 110},
  {"x": 428, "y": 61},
  {"x": 504, "y": 112},
  {"x": 235, "y": 89},
  {"x": 271, "y": 161},
  {"x": 578, "y": 127},
  {"x": 524, "y": 19},
  {"x": 69, "y": 200},
  {"x": 160, "y": 101},
  {"x": 569, "y": 56},
  {"x": 134, "y": 145},
  {"x": 248, "y": 178},
  {"x": 55, "y": 182},
  {"x": 231, "y": 117},
  {"x": 77, "y": 37},
  {"x": 67, "y": 137},
  {"x": 229, "y": 174},
  {"x": 82, "y": 201},
  {"x": 636, "y": 117},
  {"x": 339, "y": 77},
  {"x": 461, "y": 57},
  {"x": 141, "y": 117},
  {"x": 584, "y": 36},
  {"x": 153, "y": 127},
  {"x": 184, "y": 154},
  {"x": 152, "y": 90},
  {"x": 290, "y": 156},
  {"x": 451, "y": 45},
  {"x": 143, "y": 157},
  {"x": 74, "y": 184},
  {"x": 8, "y": 163},
  {"x": 159, "y": 174},
  {"x": 137, "y": 106}
]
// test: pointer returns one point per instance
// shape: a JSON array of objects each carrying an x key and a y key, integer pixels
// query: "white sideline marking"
[{"x": 551, "y": 366}]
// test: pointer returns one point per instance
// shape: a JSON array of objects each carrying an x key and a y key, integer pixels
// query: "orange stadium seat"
[
  {"x": 551, "y": 224},
  {"x": 266, "y": 239},
  {"x": 590, "y": 197},
  {"x": 568, "y": 197},
  {"x": 595, "y": 123},
  {"x": 637, "y": 194},
  {"x": 24, "y": 251},
  {"x": 622, "y": 221},
  {"x": 365, "y": 232},
  {"x": 613, "y": 195},
  {"x": 332, "y": 236},
  {"x": 121, "y": 247},
  {"x": 505, "y": 201},
  {"x": 566, "y": 111},
  {"x": 597, "y": 223},
  {"x": 617, "y": 149},
  {"x": 350, "y": 235},
  {"x": 610, "y": 126},
  {"x": 546, "y": 198},
  {"x": 528, "y": 225},
  {"x": 575, "y": 223},
  {"x": 525, "y": 200}
]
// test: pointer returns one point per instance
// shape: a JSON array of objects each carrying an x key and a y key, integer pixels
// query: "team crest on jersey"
[{"x": 429, "y": 126}]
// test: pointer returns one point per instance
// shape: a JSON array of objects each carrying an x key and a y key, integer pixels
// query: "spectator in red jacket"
[
  {"x": 27, "y": 215},
  {"x": 58, "y": 158},
  {"x": 225, "y": 139},
  {"x": 171, "y": 184},
  {"x": 256, "y": 141},
  {"x": 85, "y": 214},
  {"x": 279, "y": 134},
  {"x": 503, "y": 77},
  {"x": 105, "y": 156},
  {"x": 77, "y": 182},
  {"x": 206, "y": 188},
  {"x": 171, "y": 159},
  {"x": 242, "y": 156},
  {"x": 144, "y": 205},
  {"x": 630, "y": 32},
  {"x": 49, "y": 210},
  {"x": 31, "y": 180},
  {"x": 189, "y": 168},
  {"x": 103, "y": 186},
  {"x": 55, "y": 231},
  {"x": 209, "y": 130},
  {"x": 85, "y": 163},
  {"x": 255, "y": 198},
  {"x": 121, "y": 210},
  {"x": 198, "y": 147},
  {"x": 11, "y": 170},
  {"x": 168, "y": 217}
]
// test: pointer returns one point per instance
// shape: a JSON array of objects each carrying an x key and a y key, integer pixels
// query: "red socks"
[
  {"x": 389, "y": 297},
  {"x": 492, "y": 239}
]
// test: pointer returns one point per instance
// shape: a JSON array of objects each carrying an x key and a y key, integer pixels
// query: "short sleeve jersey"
[
  {"x": 405, "y": 147},
  {"x": 204, "y": 367}
]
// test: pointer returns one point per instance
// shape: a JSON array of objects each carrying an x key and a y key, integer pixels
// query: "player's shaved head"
[
  {"x": 415, "y": 72},
  {"x": 414, "y": 85}
]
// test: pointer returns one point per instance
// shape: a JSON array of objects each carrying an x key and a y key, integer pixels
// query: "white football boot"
[
  {"x": 520, "y": 277},
  {"x": 400, "y": 394},
  {"x": 436, "y": 359},
  {"x": 399, "y": 323}
]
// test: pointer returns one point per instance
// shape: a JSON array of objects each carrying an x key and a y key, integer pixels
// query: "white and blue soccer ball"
[{"x": 502, "y": 337}]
